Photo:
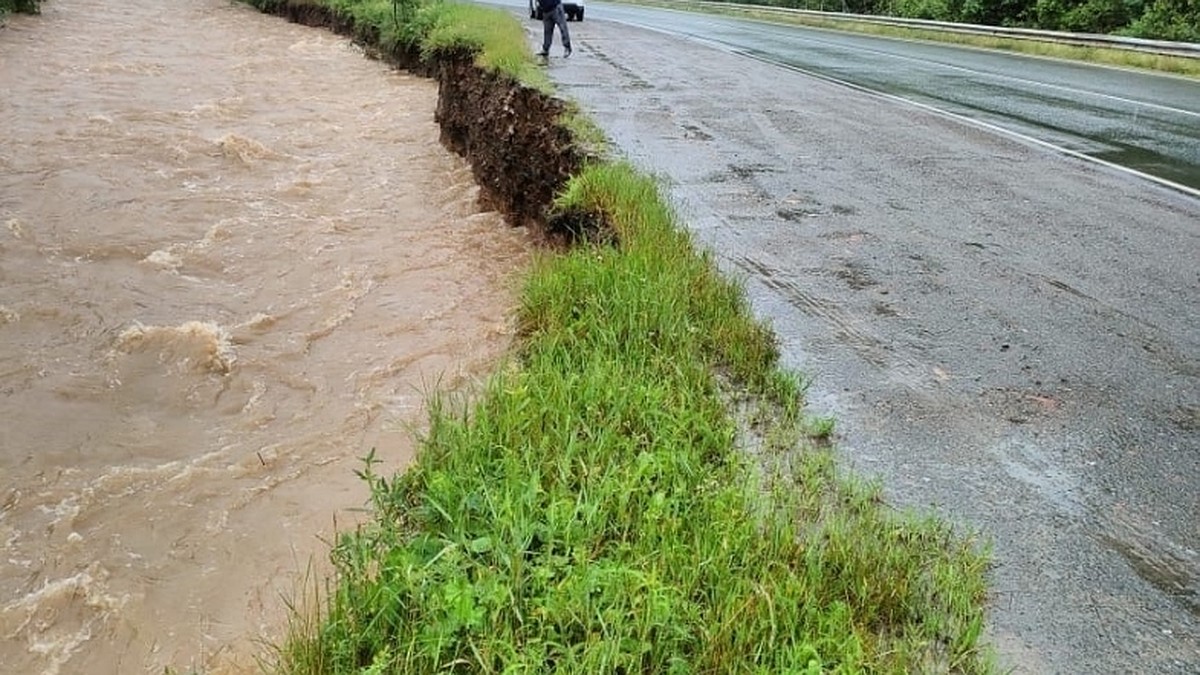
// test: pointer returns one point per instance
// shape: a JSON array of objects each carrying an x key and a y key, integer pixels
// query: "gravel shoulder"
[{"x": 1007, "y": 336}]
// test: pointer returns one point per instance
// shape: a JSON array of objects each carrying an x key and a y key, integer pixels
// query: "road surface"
[{"x": 1008, "y": 334}]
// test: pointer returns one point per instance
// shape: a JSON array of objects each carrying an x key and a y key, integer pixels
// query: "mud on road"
[{"x": 1007, "y": 336}]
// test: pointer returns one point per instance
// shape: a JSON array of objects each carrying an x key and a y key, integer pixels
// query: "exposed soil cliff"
[{"x": 508, "y": 132}]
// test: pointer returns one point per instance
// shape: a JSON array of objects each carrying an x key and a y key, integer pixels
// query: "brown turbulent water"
[{"x": 233, "y": 258}]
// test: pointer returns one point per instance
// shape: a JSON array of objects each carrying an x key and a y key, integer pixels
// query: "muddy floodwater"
[{"x": 233, "y": 259}]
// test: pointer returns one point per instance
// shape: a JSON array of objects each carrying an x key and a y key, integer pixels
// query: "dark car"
[{"x": 572, "y": 8}]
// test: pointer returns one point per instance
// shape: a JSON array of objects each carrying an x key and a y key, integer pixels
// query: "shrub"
[{"x": 20, "y": 6}]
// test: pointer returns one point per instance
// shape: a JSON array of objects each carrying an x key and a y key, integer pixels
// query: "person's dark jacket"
[{"x": 547, "y": 6}]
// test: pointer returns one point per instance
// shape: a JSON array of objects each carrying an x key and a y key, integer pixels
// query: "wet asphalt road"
[
  {"x": 1146, "y": 122},
  {"x": 1007, "y": 334}
]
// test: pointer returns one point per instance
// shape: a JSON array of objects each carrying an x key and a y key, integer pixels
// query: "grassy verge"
[
  {"x": 1177, "y": 65},
  {"x": 432, "y": 26},
  {"x": 637, "y": 490}
]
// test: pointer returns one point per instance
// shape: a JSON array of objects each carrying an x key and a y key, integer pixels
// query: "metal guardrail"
[{"x": 1164, "y": 47}]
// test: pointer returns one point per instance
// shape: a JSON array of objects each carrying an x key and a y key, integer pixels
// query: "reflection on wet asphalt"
[{"x": 1149, "y": 123}]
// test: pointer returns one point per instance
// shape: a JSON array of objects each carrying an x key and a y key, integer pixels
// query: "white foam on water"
[
  {"x": 247, "y": 150},
  {"x": 16, "y": 228},
  {"x": 126, "y": 480},
  {"x": 61, "y": 615},
  {"x": 166, "y": 260},
  {"x": 193, "y": 345}
]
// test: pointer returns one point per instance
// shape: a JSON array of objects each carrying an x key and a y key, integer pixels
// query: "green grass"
[
  {"x": 584, "y": 132},
  {"x": 435, "y": 27},
  {"x": 595, "y": 509},
  {"x": 498, "y": 40},
  {"x": 638, "y": 489},
  {"x": 1177, "y": 65}
]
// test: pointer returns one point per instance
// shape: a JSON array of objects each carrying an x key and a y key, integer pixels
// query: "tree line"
[{"x": 1177, "y": 20}]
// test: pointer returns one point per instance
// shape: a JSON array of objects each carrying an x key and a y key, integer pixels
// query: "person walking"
[{"x": 553, "y": 15}]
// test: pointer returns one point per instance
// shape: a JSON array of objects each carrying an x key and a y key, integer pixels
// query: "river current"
[{"x": 234, "y": 258}]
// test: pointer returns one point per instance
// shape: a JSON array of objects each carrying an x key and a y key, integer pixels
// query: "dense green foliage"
[
  {"x": 1160, "y": 19},
  {"x": 23, "y": 6}
]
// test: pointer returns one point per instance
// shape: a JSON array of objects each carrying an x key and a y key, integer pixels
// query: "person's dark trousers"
[{"x": 557, "y": 17}]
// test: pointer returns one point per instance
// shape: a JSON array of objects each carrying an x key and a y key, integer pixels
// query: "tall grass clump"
[
  {"x": 432, "y": 27},
  {"x": 498, "y": 40},
  {"x": 591, "y": 510}
]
